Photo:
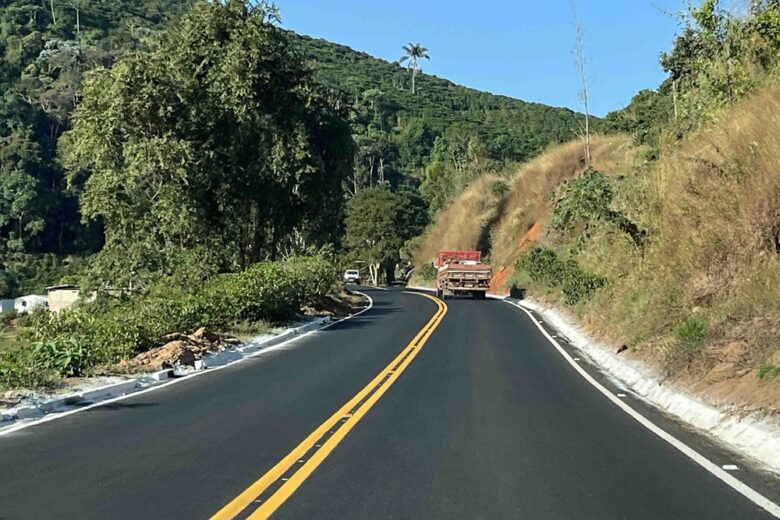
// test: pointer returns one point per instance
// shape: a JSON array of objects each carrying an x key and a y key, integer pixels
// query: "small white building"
[{"x": 24, "y": 304}]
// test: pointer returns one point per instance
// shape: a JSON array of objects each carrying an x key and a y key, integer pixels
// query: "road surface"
[{"x": 463, "y": 411}]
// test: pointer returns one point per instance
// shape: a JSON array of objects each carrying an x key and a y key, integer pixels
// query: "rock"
[
  {"x": 622, "y": 349},
  {"x": 179, "y": 350},
  {"x": 205, "y": 334},
  {"x": 12, "y": 397},
  {"x": 170, "y": 355},
  {"x": 176, "y": 336}
]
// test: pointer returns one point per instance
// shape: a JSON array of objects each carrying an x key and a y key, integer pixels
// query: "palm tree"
[{"x": 414, "y": 51}]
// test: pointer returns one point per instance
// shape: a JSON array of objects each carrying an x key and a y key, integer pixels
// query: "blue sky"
[{"x": 520, "y": 48}]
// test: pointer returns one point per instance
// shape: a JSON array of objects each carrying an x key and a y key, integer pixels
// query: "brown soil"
[
  {"x": 339, "y": 305},
  {"x": 500, "y": 282},
  {"x": 179, "y": 350}
]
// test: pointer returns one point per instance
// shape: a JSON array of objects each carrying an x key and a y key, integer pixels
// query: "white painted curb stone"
[
  {"x": 37, "y": 410},
  {"x": 754, "y": 436}
]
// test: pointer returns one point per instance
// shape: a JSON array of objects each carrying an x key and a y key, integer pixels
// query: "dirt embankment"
[{"x": 701, "y": 299}]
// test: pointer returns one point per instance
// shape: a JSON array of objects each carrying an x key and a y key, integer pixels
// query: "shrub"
[
  {"x": 63, "y": 356},
  {"x": 18, "y": 370},
  {"x": 579, "y": 285},
  {"x": 767, "y": 371},
  {"x": 588, "y": 200},
  {"x": 427, "y": 272},
  {"x": 499, "y": 188},
  {"x": 689, "y": 338},
  {"x": 7, "y": 318},
  {"x": 544, "y": 267},
  {"x": 74, "y": 341},
  {"x": 692, "y": 333}
]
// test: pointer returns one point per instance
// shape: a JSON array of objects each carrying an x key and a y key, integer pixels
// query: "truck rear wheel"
[
  {"x": 439, "y": 293},
  {"x": 478, "y": 295}
]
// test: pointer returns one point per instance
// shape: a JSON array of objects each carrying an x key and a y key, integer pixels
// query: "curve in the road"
[
  {"x": 756, "y": 497},
  {"x": 277, "y": 485}
]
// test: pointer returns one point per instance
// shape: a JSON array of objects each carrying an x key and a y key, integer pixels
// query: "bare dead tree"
[{"x": 579, "y": 58}]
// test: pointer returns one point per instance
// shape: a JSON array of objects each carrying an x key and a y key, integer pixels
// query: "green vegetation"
[
  {"x": 679, "y": 212},
  {"x": 414, "y": 51},
  {"x": 717, "y": 59},
  {"x": 68, "y": 69},
  {"x": 82, "y": 340},
  {"x": 9, "y": 340},
  {"x": 767, "y": 372},
  {"x": 438, "y": 139},
  {"x": 45, "y": 49},
  {"x": 216, "y": 145},
  {"x": 379, "y": 222},
  {"x": 427, "y": 273},
  {"x": 691, "y": 336},
  {"x": 587, "y": 200},
  {"x": 546, "y": 268}
]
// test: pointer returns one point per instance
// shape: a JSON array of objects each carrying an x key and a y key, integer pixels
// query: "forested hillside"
[
  {"x": 510, "y": 129},
  {"x": 426, "y": 146},
  {"x": 45, "y": 50}
]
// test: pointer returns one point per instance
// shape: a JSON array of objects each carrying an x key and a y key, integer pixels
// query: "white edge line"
[
  {"x": 52, "y": 416},
  {"x": 753, "y": 495}
]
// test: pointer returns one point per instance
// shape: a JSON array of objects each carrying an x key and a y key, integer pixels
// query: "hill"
[
  {"x": 670, "y": 244},
  {"x": 512, "y": 129}
]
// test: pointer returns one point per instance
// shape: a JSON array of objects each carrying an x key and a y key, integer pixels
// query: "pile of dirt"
[
  {"x": 180, "y": 350},
  {"x": 11, "y": 398},
  {"x": 339, "y": 305}
]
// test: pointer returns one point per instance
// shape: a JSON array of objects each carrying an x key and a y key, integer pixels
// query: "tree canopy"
[{"x": 218, "y": 142}]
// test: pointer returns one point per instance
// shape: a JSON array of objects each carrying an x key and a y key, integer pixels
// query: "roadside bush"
[
  {"x": 7, "y": 318},
  {"x": 64, "y": 356},
  {"x": 75, "y": 341},
  {"x": 579, "y": 285},
  {"x": 587, "y": 200},
  {"x": 689, "y": 339},
  {"x": 767, "y": 372},
  {"x": 18, "y": 370},
  {"x": 427, "y": 272},
  {"x": 546, "y": 268},
  {"x": 692, "y": 332}
]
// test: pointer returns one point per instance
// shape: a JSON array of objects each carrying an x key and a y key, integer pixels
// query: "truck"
[{"x": 462, "y": 272}]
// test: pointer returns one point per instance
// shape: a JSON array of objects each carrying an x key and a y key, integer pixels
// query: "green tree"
[
  {"x": 218, "y": 141},
  {"x": 414, "y": 52},
  {"x": 21, "y": 218},
  {"x": 379, "y": 222}
]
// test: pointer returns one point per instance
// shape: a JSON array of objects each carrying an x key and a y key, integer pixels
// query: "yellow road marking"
[{"x": 346, "y": 413}]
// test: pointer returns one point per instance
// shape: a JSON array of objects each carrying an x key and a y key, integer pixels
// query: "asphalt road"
[{"x": 486, "y": 421}]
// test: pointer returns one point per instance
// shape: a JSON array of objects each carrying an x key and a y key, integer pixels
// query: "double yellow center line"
[{"x": 271, "y": 490}]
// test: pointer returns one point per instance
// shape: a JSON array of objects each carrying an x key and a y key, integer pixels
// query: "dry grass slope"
[
  {"x": 528, "y": 204},
  {"x": 703, "y": 298},
  {"x": 464, "y": 223},
  {"x": 500, "y": 222}
]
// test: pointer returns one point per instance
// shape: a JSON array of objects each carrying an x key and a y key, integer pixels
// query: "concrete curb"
[
  {"x": 37, "y": 410},
  {"x": 754, "y": 436}
]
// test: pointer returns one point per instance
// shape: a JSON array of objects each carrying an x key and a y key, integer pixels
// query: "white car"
[{"x": 352, "y": 276}]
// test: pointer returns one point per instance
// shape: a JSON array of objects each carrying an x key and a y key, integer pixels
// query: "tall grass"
[{"x": 708, "y": 277}]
